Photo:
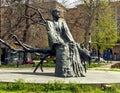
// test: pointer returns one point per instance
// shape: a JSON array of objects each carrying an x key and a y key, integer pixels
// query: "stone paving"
[{"x": 92, "y": 76}]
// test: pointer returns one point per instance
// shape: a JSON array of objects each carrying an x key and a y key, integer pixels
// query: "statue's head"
[{"x": 56, "y": 13}]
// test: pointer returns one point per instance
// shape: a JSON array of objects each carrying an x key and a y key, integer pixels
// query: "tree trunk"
[
  {"x": 87, "y": 38},
  {"x": 98, "y": 54},
  {"x": 26, "y": 23}
]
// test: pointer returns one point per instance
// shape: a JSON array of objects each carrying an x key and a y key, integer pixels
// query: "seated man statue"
[{"x": 68, "y": 63}]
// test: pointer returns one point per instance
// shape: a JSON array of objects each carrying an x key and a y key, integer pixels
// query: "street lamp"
[{"x": 89, "y": 42}]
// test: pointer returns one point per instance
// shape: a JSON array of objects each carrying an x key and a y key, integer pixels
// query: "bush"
[{"x": 116, "y": 65}]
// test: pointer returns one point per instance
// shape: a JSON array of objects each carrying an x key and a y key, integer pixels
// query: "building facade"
[{"x": 73, "y": 16}]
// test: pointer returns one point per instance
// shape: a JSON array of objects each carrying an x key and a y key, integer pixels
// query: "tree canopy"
[{"x": 104, "y": 28}]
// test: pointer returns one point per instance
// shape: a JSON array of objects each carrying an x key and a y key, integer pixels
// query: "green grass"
[
  {"x": 15, "y": 66},
  {"x": 93, "y": 65},
  {"x": 47, "y": 64},
  {"x": 55, "y": 87}
]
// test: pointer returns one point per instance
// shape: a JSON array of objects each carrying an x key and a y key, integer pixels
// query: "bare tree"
[{"x": 22, "y": 19}]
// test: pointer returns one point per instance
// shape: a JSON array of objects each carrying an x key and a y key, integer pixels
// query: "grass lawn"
[
  {"x": 56, "y": 87},
  {"x": 46, "y": 64},
  {"x": 52, "y": 64}
]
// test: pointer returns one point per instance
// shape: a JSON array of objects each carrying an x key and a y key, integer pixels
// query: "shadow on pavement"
[{"x": 31, "y": 73}]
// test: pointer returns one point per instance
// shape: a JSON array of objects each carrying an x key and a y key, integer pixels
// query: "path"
[{"x": 92, "y": 76}]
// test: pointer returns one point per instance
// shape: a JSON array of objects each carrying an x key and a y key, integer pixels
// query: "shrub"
[{"x": 116, "y": 65}]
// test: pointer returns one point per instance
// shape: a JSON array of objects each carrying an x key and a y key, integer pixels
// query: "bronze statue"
[{"x": 68, "y": 63}]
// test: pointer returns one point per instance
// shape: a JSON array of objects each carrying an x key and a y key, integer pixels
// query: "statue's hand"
[
  {"x": 72, "y": 44},
  {"x": 60, "y": 43}
]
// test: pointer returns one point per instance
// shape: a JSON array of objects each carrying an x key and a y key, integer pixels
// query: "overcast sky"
[
  {"x": 69, "y": 3},
  {"x": 72, "y": 3}
]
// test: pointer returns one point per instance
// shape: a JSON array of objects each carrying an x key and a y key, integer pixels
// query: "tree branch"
[
  {"x": 9, "y": 46},
  {"x": 28, "y": 48},
  {"x": 38, "y": 12}
]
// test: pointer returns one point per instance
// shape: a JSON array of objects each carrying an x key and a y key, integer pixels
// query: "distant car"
[
  {"x": 11, "y": 59},
  {"x": 95, "y": 59},
  {"x": 15, "y": 59}
]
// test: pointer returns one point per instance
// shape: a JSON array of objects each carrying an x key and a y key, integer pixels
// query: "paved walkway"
[{"x": 92, "y": 76}]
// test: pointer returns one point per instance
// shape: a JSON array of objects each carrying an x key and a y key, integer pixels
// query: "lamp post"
[
  {"x": 89, "y": 42},
  {"x": 89, "y": 46}
]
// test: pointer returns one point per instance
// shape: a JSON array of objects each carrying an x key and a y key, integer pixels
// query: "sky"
[
  {"x": 73, "y": 3},
  {"x": 69, "y": 3}
]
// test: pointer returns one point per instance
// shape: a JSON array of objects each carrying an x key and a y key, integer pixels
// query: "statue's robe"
[{"x": 68, "y": 63}]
